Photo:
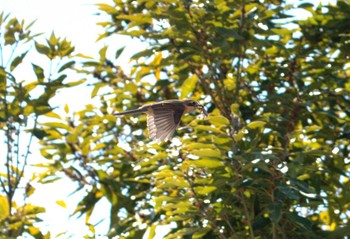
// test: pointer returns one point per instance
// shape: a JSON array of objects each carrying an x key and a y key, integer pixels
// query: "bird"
[{"x": 164, "y": 117}]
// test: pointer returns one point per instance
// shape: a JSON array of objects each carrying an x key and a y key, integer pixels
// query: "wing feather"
[{"x": 162, "y": 123}]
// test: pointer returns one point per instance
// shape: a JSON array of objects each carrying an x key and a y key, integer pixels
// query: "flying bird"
[{"x": 164, "y": 117}]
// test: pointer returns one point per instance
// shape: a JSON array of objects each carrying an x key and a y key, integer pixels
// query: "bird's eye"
[{"x": 191, "y": 103}]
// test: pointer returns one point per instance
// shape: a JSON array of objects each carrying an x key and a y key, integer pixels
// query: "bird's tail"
[{"x": 130, "y": 112}]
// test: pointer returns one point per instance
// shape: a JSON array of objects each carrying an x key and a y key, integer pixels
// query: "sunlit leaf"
[
  {"x": 208, "y": 163},
  {"x": 4, "y": 207},
  {"x": 256, "y": 124},
  {"x": 219, "y": 120},
  {"x": 61, "y": 203},
  {"x": 205, "y": 189},
  {"x": 188, "y": 86},
  {"x": 206, "y": 152},
  {"x": 107, "y": 8},
  {"x": 199, "y": 146},
  {"x": 210, "y": 129},
  {"x": 58, "y": 125},
  {"x": 66, "y": 108}
]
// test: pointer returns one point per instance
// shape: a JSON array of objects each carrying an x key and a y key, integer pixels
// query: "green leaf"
[
  {"x": 108, "y": 191},
  {"x": 227, "y": 32},
  {"x": 299, "y": 221},
  {"x": 107, "y": 8},
  {"x": 239, "y": 135},
  {"x": 198, "y": 146},
  {"x": 61, "y": 203},
  {"x": 29, "y": 190},
  {"x": 188, "y": 86},
  {"x": 204, "y": 190},
  {"x": 221, "y": 140},
  {"x": 42, "y": 49},
  {"x": 66, "y": 108},
  {"x": 256, "y": 124},
  {"x": 119, "y": 52},
  {"x": 67, "y": 65},
  {"x": 84, "y": 56},
  {"x": 289, "y": 192},
  {"x": 145, "y": 53},
  {"x": 56, "y": 125},
  {"x": 207, "y": 163},
  {"x": 275, "y": 213},
  {"x": 40, "y": 134},
  {"x": 4, "y": 208},
  {"x": 96, "y": 89},
  {"x": 53, "y": 115},
  {"x": 235, "y": 109},
  {"x": 152, "y": 231},
  {"x": 75, "y": 83},
  {"x": 30, "y": 86},
  {"x": 39, "y": 72},
  {"x": 209, "y": 129},
  {"x": 18, "y": 60},
  {"x": 102, "y": 53},
  {"x": 219, "y": 120},
  {"x": 200, "y": 233},
  {"x": 53, "y": 40},
  {"x": 206, "y": 152}
]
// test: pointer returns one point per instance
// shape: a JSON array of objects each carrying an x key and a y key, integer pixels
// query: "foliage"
[
  {"x": 20, "y": 110},
  {"x": 271, "y": 161}
]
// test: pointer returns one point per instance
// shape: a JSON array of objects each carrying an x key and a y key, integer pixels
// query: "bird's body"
[{"x": 164, "y": 117}]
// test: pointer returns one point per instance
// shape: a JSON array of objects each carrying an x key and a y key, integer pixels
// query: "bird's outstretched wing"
[{"x": 162, "y": 122}]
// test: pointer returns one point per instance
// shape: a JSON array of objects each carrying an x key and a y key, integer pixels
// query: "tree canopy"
[{"x": 272, "y": 160}]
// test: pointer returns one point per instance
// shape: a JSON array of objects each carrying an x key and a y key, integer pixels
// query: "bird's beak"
[{"x": 202, "y": 109}]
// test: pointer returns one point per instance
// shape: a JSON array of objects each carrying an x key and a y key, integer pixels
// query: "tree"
[
  {"x": 20, "y": 114},
  {"x": 272, "y": 161}
]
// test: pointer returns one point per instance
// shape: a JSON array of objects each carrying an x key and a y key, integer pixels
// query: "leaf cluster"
[
  {"x": 22, "y": 103},
  {"x": 272, "y": 159}
]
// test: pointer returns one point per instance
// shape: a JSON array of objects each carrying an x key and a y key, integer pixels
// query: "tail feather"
[{"x": 130, "y": 112}]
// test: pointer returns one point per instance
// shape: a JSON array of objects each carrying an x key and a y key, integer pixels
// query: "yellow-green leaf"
[
  {"x": 204, "y": 189},
  {"x": 212, "y": 153},
  {"x": 235, "y": 109},
  {"x": 152, "y": 231},
  {"x": 221, "y": 140},
  {"x": 239, "y": 135},
  {"x": 61, "y": 203},
  {"x": 256, "y": 124},
  {"x": 219, "y": 120},
  {"x": 198, "y": 146},
  {"x": 188, "y": 86},
  {"x": 4, "y": 208},
  {"x": 208, "y": 163},
  {"x": 107, "y": 8},
  {"x": 58, "y": 125},
  {"x": 210, "y": 129},
  {"x": 66, "y": 108},
  {"x": 53, "y": 115}
]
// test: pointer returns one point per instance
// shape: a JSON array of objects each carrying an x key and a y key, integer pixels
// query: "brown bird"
[{"x": 164, "y": 117}]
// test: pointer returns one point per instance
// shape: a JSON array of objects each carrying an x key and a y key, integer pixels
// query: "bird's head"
[{"x": 192, "y": 105}]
